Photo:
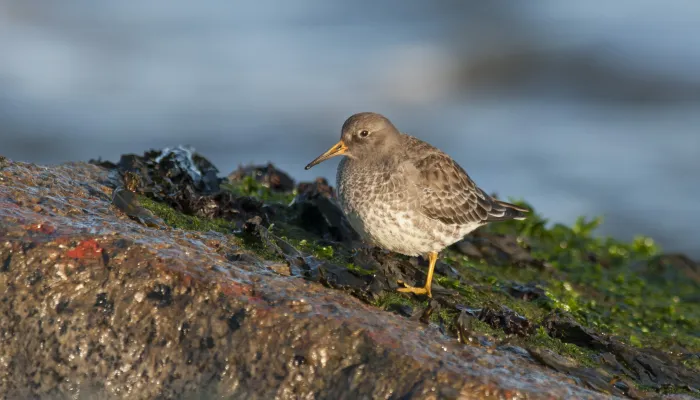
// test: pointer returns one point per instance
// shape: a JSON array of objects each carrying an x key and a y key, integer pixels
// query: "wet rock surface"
[{"x": 103, "y": 297}]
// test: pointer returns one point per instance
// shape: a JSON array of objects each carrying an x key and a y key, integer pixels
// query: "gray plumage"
[{"x": 405, "y": 195}]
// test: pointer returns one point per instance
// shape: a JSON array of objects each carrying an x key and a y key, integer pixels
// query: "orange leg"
[{"x": 432, "y": 257}]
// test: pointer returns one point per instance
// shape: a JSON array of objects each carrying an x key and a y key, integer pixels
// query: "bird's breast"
[{"x": 378, "y": 207}]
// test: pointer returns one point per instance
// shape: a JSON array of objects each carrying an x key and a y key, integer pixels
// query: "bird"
[{"x": 405, "y": 195}]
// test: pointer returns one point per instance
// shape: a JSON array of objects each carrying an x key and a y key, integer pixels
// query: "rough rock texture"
[{"x": 96, "y": 305}]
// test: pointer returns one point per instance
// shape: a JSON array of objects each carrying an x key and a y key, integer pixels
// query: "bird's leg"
[{"x": 432, "y": 258}]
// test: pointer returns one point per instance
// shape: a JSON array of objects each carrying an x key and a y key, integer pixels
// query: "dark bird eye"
[{"x": 364, "y": 133}]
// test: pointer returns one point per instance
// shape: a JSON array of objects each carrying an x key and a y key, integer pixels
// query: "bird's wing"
[{"x": 448, "y": 194}]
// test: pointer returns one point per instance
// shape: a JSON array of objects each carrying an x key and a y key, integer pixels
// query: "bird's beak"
[{"x": 338, "y": 149}]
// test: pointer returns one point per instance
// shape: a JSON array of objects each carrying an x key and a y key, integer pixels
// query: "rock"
[
  {"x": 507, "y": 320},
  {"x": 127, "y": 202},
  {"x": 103, "y": 163},
  {"x": 280, "y": 268},
  {"x": 318, "y": 187},
  {"x": 4, "y": 162},
  {"x": 552, "y": 359},
  {"x": 468, "y": 248},
  {"x": 184, "y": 180},
  {"x": 96, "y": 305},
  {"x": 464, "y": 327},
  {"x": 502, "y": 318},
  {"x": 588, "y": 377},
  {"x": 406, "y": 311},
  {"x": 318, "y": 212},
  {"x": 528, "y": 292},
  {"x": 672, "y": 267},
  {"x": 651, "y": 368},
  {"x": 563, "y": 326},
  {"x": 266, "y": 175},
  {"x": 170, "y": 167},
  {"x": 516, "y": 350},
  {"x": 336, "y": 277},
  {"x": 497, "y": 249}
]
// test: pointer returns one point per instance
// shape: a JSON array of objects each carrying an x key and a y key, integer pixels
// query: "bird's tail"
[{"x": 503, "y": 211}]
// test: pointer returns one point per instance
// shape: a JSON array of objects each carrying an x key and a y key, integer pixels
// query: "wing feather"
[{"x": 448, "y": 194}]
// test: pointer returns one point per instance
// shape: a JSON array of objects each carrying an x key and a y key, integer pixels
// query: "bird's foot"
[{"x": 415, "y": 290}]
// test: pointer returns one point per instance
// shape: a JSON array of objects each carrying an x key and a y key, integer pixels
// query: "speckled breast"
[{"x": 383, "y": 209}]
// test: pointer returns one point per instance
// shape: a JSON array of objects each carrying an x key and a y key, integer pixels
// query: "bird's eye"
[{"x": 364, "y": 133}]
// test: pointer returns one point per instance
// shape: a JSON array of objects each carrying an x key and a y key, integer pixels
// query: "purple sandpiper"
[{"x": 404, "y": 195}]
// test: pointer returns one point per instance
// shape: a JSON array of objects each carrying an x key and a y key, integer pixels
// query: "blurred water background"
[{"x": 581, "y": 108}]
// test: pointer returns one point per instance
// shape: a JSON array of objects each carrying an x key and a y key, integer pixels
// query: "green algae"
[
  {"x": 585, "y": 357},
  {"x": 310, "y": 246},
  {"x": 616, "y": 288},
  {"x": 176, "y": 219},
  {"x": 480, "y": 327},
  {"x": 359, "y": 270},
  {"x": 445, "y": 316},
  {"x": 480, "y": 286},
  {"x": 607, "y": 284},
  {"x": 692, "y": 362},
  {"x": 248, "y": 186}
]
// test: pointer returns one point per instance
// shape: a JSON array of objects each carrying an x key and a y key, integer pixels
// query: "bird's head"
[{"x": 363, "y": 135}]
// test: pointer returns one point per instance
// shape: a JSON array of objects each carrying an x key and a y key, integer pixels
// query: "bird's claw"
[{"x": 415, "y": 290}]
